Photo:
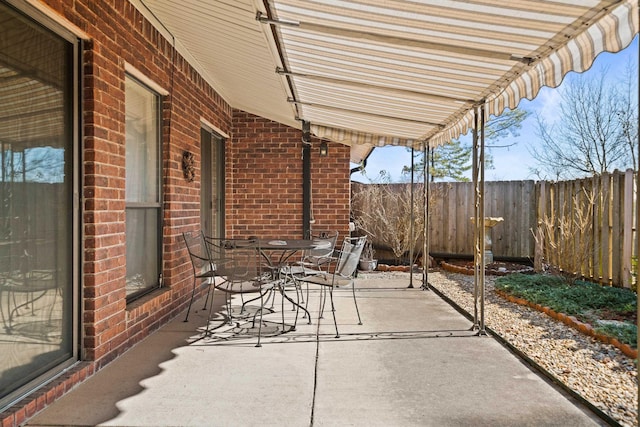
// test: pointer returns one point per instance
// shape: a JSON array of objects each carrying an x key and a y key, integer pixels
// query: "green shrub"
[
  {"x": 624, "y": 332},
  {"x": 586, "y": 301}
]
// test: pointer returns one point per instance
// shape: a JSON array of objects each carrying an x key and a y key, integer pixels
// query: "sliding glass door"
[
  {"x": 212, "y": 184},
  {"x": 37, "y": 216}
]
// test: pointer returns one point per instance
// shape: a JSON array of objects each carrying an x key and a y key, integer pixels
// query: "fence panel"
[{"x": 600, "y": 210}]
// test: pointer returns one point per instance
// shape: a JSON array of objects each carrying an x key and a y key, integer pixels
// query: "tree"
[
  {"x": 453, "y": 160},
  {"x": 383, "y": 211},
  {"x": 596, "y": 130},
  {"x": 447, "y": 161}
]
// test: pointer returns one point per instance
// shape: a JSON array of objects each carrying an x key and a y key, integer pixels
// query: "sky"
[{"x": 514, "y": 162}]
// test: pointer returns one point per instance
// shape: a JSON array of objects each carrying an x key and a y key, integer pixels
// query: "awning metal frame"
[{"x": 478, "y": 220}]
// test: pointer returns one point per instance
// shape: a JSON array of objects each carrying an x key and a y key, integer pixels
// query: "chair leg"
[
  {"x": 272, "y": 293},
  {"x": 261, "y": 309},
  {"x": 323, "y": 300},
  {"x": 297, "y": 304},
  {"x": 206, "y": 300},
  {"x": 353, "y": 288},
  {"x": 250, "y": 301},
  {"x": 229, "y": 308},
  {"x": 306, "y": 304},
  {"x": 299, "y": 289},
  {"x": 333, "y": 311},
  {"x": 213, "y": 290},
  {"x": 282, "y": 290},
  {"x": 193, "y": 293}
]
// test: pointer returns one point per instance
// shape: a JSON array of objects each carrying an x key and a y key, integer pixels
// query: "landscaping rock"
[{"x": 599, "y": 372}]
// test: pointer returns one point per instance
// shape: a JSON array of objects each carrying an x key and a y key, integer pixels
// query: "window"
[{"x": 142, "y": 189}]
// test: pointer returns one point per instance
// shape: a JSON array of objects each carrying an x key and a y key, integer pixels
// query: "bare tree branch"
[{"x": 596, "y": 131}]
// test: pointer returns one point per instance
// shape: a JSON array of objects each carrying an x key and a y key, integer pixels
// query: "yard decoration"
[
  {"x": 188, "y": 166},
  {"x": 367, "y": 258}
]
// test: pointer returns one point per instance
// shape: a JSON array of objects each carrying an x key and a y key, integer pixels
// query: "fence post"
[
  {"x": 627, "y": 237},
  {"x": 538, "y": 253}
]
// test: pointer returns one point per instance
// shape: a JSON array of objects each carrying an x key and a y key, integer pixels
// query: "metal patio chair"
[
  {"x": 317, "y": 260},
  {"x": 314, "y": 261},
  {"x": 346, "y": 263},
  {"x": 203, "y": 267},
  {"x": 238, "y": 265}
]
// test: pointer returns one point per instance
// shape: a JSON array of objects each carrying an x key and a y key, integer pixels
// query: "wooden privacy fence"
[
  {"x": 586, "y": 226},
  {"x": 583, "y": 226}
]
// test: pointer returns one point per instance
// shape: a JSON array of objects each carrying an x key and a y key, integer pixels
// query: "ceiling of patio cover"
[{"x": 392, "y": 72}]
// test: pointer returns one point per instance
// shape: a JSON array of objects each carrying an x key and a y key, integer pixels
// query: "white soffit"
[
  {"x": 230, "y": 49},
  {"x": 391, "y": 72}
]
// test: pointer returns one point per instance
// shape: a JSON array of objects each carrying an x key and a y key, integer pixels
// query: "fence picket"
[
  {"x": 617, "y": 193},
  {"x": 627, "y": 229}
]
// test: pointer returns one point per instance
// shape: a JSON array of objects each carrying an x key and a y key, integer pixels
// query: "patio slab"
[{"x": 414, "y": 362}]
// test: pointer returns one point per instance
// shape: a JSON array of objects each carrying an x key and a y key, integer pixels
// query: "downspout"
[{"x": 306, "y": 179}]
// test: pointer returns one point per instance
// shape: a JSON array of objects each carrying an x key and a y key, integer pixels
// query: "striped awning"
[{"x": 401, "y": 73}]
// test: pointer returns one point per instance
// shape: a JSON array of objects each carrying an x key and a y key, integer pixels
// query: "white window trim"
[
  {"x": 214, "y": 129},
  {"x": 53, "y": 16},
  {"x": 142, "y": 78}
]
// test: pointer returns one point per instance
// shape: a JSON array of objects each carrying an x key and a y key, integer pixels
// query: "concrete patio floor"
[{"x": 414, "y": 362}]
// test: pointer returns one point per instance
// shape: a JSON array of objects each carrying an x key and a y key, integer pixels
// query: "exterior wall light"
[{"x": 324, "y": 149}]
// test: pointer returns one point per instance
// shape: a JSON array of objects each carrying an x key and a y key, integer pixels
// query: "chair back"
[
  {"x": 326, "y": 250},
  {"x": 238, "y": 260},
  {"x": 200, "y": 260},
  {"x": 350, "y": 255}
]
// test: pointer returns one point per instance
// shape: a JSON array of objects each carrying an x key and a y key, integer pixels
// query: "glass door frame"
[
  {"x": 74, "y": 125},
  {"x": 212, "y": 200}
]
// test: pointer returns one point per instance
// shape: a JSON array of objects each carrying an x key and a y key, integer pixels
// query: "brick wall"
[
  {"x": 264, "y": 181},
  {"x": 120, "y": 34},
  {"x": 331, "y": 189}
]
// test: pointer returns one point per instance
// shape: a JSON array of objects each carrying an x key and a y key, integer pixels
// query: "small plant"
[
  {"x": 383, "y": 211},
  {"x": 623, "y": 332},
  {"x": 565, "y": 238},
  {"x": 368, "y": 253},
  {"x": 609, "y": 309}
]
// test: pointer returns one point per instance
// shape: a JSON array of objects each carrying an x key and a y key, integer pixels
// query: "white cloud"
[{"x": 547, "y": 104}]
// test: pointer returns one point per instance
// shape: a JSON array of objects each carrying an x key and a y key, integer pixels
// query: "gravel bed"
[{"x": 598, "y": 372}]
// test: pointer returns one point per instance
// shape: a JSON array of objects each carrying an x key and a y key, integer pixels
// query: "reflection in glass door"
[
  {"x": 212, "y": 185},
  {"x": 36, "y": 203}
]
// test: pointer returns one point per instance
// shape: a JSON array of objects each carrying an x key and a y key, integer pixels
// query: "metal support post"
[
  {"x": 411, "y": 226},
  {"x": 478, "y": 220},
  {"x": 425, "y": 222}
]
